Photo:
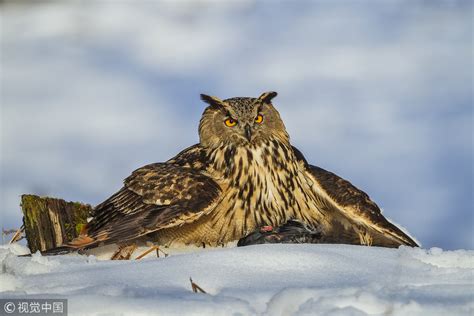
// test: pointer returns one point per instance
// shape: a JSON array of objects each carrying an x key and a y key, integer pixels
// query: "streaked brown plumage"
[{"x": 243, "y": 174}]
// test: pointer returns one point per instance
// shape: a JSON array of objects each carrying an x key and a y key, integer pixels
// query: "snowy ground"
[{"x": 258, "y": 280}]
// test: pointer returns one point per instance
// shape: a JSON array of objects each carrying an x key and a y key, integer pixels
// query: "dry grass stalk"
[
  {"x": 19, "y": 235},
  {"x": 196, "y": 288}
]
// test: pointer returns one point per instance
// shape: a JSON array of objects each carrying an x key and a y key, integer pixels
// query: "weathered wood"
[{"x": 51, "y": 222}]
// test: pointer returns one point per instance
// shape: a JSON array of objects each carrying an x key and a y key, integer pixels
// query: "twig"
[
  {"x": 18, "y": 235},
  {"x": 157, "y": 248},
  {"x": 158, "y": 253},
  {"x": 8, "y": 231},
  {"x": 196, "y": 287},
  {"x": 124, "y": 252}
]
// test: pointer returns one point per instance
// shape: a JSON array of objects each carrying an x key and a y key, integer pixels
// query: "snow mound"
[{"x": 256, "y": 280}]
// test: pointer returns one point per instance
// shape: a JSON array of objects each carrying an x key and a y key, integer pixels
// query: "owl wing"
[
  {"x": 154, "y": 197},
  {"x": 348, "y": 202}
]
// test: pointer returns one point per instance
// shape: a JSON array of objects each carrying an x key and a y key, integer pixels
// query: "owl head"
[{"x": 241, "y": 121}]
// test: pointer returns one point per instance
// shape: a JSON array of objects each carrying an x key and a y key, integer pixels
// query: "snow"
[{"x": 256, "y": 280}]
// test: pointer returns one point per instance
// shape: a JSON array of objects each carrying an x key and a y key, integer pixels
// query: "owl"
[{"x": 243, "y": 176}]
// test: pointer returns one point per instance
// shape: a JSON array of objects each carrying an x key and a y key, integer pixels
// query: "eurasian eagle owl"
[{"x": 244, "y": 174}]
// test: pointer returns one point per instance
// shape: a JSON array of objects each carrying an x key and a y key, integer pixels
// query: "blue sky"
[{"x": 377, "y": 92}]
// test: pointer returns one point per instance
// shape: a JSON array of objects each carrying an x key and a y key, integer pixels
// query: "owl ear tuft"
[
  {"x": 267, "y": 97},
  {"x": 212, "y": 100}
]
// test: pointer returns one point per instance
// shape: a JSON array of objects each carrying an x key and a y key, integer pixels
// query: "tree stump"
[{"x": 51, "y": 222}]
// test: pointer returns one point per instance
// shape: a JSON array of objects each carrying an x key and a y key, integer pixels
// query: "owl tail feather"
[
  {"x": 78, "y": 244},
  {"x": 62, "y": 250},
  {"x": 75, "y": 245}
]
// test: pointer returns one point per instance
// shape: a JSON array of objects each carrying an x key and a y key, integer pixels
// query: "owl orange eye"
[
  {"x": 230, "y": 122},
  {"x": 259, "y": 119}
]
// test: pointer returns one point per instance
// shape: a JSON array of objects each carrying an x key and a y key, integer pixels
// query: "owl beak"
[{"x": 248, "y": 132}]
